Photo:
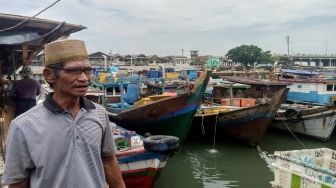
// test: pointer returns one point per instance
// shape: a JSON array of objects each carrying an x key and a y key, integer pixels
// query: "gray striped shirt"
[{"x": 52, "y": 149}]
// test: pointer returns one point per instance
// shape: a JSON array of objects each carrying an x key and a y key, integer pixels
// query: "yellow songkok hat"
[{"x": 64, "y": 50}]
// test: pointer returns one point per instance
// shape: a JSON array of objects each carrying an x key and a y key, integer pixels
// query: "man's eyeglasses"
[{"x": 75, "y": 71}]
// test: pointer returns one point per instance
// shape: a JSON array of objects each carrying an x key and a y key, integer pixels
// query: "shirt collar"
[{"x": 51, "y": 104}]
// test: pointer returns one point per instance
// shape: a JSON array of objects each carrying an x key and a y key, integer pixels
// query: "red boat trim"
[
  {"x": 141, "y": 172},
  {"x": 130, "y": 152}
]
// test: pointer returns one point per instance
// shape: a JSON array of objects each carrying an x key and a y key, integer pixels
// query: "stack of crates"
[{"x": 307, "y": 168}]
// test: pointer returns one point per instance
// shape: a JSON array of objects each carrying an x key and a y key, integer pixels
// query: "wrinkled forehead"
[{"x": 78, "y": 63}]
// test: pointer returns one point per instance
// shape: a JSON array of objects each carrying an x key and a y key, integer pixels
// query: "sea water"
[{"x": 229, "y": 163}]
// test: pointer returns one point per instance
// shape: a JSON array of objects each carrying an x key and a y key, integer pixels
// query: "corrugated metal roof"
[
  {"x": 16, "y": 31},
  {"x": 39, "y": 31},
  {"x": 251, "y": 81}
]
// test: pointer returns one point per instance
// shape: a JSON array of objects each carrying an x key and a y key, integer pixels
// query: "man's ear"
[{"x": 49, "y": 75}]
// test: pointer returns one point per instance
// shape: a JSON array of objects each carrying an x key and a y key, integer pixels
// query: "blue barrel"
[{"x": 153, "y": 74}]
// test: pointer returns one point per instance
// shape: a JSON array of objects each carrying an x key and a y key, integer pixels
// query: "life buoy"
[
  {"x": 162, "y": 143},
  {"x": 291, "y": 112},
  {"x": 293, "y": 115}
]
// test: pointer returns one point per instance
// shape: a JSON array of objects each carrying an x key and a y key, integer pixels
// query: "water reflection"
[
  {"x": 207, "y": 167},
  {"x": 220, "y": 183},
  {"x": 230, "y": 164},
  {"x": 213, "y": 150}
]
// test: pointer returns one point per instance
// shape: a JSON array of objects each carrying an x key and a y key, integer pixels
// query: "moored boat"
[
  {"x": 168, "y": 116},
  {"x": 119, "y": 92},
  {"x": 309, "y": 87},
  {"x": 141, "y": 160},
  {"x": 248, "y": 124},
  {"x": 315, "y": 121}
]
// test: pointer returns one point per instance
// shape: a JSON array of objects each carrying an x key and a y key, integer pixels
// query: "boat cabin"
[
  {"x": 310, "y": 87},
  {"x": 259, "y": 88}
]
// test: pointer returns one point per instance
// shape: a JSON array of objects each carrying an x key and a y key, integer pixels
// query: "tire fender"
[{"x": 161, "y": 143}]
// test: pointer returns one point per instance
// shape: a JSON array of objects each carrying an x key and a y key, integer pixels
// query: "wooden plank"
[{"x": 25, "y": 54}]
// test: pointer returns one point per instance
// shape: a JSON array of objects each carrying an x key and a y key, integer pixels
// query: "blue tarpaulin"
[{"x": 302, "y": 72}]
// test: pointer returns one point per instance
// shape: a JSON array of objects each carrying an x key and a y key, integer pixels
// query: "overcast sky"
[{"x": 165, "y": 27}]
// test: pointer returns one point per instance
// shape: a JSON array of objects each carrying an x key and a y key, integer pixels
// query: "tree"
[
  {"x": 245, "y": 54},
  {"x": 266, "y": 58},
  {"x": 285, "y": 61}
]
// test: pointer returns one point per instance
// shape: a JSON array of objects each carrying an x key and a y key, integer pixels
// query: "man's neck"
[{"x": 68, "y": 103}]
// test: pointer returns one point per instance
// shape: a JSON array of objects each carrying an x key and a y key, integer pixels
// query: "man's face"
[{"x": 74, "y": 78}]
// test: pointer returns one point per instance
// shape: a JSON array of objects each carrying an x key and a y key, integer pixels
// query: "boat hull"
[
  {"x": 248, "y": 125},
  {"x": 168, "y": 116},
  {"x": 142, "y": 168},
  {"x": 176, "y": 123},
  {"x": 241, "y": 125},
  {"x": 319, "y": 124},
  {"x": 250, "y": 132}
]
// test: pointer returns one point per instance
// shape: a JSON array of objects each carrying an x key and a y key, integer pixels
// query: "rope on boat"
[
  {"x": 215, "y": 132},
  {"x": 202, "y": 126},
  {"x": 277, "y": 112},
  {"x": 304, "y": 146}
]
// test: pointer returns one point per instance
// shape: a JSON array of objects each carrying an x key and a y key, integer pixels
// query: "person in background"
[
  {"x": 67, "y": 140},
  {"x": 24, "y": 91},
  {"x": 8, "y": 84}
]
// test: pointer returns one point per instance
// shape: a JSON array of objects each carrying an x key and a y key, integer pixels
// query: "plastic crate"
[
  {"x": 236, "y": 102},
  {"x": 225, "y": 101},
  {"x": 307, "y": 168},
  {"x": 247, "y": 102},
  {"x": 171, "y": 75}
]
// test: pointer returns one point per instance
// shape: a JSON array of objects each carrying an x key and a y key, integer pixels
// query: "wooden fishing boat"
[
  {"x": 159, "y": 87},
  {"x": 141, "y": 168},
  {"x": 312, "y": 120},
  {"x": 169, "y": 116},
  {"x": 258, "y": 88},
  {"x": 141, "y": 160},
  {"x": 115, "y": 88},
  {"x": 169, "y": 80},
  {"x": 248, "y": 124}
]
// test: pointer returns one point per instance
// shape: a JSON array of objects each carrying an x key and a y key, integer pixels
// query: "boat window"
[
  {"x": 258, "y": 89},
  {"x": 329, "y": 87},
  {"x": 335, "y": 87},
  {"x": 299, "y": 86}
]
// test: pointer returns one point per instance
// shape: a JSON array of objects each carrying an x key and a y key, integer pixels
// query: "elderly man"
[{"x": 66, "y": 141}]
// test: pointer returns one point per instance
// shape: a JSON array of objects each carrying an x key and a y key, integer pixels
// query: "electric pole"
[{"x": 287, "y": 39}]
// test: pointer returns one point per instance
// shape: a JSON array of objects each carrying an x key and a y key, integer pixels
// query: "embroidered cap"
[{"x": 64, "y": 50}]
